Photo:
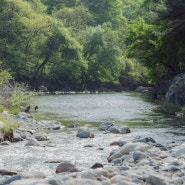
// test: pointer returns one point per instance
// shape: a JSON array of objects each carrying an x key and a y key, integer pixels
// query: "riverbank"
[{"x": 46, "y": 152}]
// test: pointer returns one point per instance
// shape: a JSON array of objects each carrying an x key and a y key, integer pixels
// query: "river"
[{"x": 89, "y": 110}]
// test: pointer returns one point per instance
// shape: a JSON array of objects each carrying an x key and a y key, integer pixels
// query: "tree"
[
  {"x": 103, "y": 56},
  {"x": 106, "y": 11}
]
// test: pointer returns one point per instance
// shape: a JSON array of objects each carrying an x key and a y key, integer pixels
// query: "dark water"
[{"x": 90, "y": 110}]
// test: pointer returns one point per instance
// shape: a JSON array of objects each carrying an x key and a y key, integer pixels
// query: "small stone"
[
  {"x": 66, "y": 166},
  {"x": 105, "y": 126},
  {"x": 113, "y": 129},
  {"x": 118, "y": 143},
  {"x": 138, "y": 155},
  {"x": 33, "y": 142},
  {"x": 97, "y": 165},
  {"x": 125, "y": 130},
  {"x": 5, "y": 172}
]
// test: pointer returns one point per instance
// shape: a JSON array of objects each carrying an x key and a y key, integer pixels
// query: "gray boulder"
[
  {"x": 137, "y": 155},
  {"x": 125, "y": 130},
  {"x": 66, "y": 166},
  {"x": 176, "y": 91},
  {"x": 113, "y": 129},
  {"x": 105, "y": 126},
  {"x": 155, "y": 180},
  {"x": 32, "y": 142},
  {"x": 84, "y": 133},
  {"x": 127, "y": 148},
  {"x": 24, "y": 116},
  {"x": 40, "y": 136}
]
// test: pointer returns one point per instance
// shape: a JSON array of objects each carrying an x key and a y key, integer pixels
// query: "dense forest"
[{"x": 91, "y": 44}]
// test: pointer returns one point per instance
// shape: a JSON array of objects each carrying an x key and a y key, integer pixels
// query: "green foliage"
[
  {"x": 20, "y": 97},
  {"x": 14, "y": 111},
  {"x": 80, "y": 43},
  {"x": 9, "y": 124}
]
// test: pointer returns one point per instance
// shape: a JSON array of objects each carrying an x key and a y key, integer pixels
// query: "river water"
[{"x": 90, "y": 110}]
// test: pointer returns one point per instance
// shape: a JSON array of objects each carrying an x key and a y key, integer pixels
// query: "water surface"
[{"x": 90, "y": 110}]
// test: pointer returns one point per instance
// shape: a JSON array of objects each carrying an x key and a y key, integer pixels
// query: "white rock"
[{"x": 127, "y": 148}]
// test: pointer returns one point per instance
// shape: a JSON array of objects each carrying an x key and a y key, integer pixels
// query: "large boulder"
[
  {"x": 176, "y": 91},
  {"x": 127, "y": 148},
  {"x": 84, "y": 133}
]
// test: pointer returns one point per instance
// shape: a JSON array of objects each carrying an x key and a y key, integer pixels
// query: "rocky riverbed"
[{"x": 111, "y": 156}]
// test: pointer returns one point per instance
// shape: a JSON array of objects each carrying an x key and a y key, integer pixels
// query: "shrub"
[
  {"x": 20, "y": 97},
  {"x": 9, "y": 124},
  {"x": 14, "y": 111}
]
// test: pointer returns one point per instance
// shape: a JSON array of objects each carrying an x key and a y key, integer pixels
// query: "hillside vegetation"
[{"x": 89, "y": 45}]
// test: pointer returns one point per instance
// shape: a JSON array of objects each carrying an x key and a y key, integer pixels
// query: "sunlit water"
[{"x": 89, "y": 110}]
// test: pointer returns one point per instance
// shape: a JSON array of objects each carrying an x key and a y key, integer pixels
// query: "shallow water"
[
  {"x": 118, "y": 107},
  {"x": 91, "y": 110}
]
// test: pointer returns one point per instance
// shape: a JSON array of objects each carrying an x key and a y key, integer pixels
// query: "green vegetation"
[
  {"x": 85, "y": 44},
  {"x": 9, "y": 124}
]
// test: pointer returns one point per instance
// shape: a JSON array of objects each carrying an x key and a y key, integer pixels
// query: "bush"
[
  {"x": 20, "y": 97},
  {"x": 9, "y": 124},
  {"x": 14, "y": 111}
]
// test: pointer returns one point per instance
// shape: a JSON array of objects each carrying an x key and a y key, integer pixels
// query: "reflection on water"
[
  {"x": 118, "y": 107},
  {"x": 91, "y": 109}
]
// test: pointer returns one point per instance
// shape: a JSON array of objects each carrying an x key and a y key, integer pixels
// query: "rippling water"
[{"x": 91, "y": 110}]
